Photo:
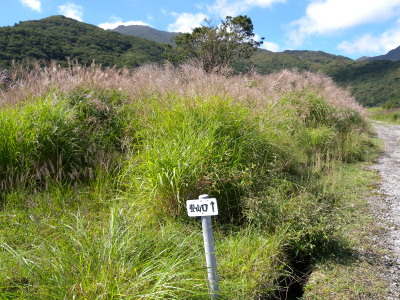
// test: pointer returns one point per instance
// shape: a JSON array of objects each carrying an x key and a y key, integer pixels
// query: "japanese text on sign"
[{"x": 202, "y": 207}]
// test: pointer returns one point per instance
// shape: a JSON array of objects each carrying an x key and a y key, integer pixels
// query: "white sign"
[{"x": 202, "y": 207}]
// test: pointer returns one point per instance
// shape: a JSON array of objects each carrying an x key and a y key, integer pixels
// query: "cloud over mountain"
[
  {"x": 115, "y": 22},
  {"x": 71, "y": 10}
]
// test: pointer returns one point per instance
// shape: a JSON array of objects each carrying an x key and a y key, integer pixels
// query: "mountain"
[
  {"x": 393, "y": 55},
  {"x": 59, "y": 37},
  {"x": 363, "y": 58},
  {"x": 147, "y": 32}
]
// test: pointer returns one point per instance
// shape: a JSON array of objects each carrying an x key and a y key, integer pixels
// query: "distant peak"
[{"x": 362, "y": 58}]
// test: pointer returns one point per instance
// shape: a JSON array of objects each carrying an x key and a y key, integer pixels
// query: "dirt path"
[{"x": 388, "y": 167}]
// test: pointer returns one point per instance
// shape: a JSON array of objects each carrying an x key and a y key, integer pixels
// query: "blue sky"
[{"x": 351, "y": 28}]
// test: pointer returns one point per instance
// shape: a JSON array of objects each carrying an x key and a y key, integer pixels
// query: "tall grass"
[
  {"x": 79, "y": 260},
  {"x": 63, "y": 137},
  {"x": 230, "y": 150},
  {"x": 96, "y": 165}
]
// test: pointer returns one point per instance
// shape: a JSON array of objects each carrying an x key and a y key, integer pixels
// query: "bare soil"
[{"x": 386, "y": 206}]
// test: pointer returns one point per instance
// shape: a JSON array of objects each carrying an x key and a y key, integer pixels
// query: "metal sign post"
[{"x": 206, "y": 207}]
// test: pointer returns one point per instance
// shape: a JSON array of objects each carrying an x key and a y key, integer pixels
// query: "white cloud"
[
  {"x": 32, "y": 4},
  {"x": 330, "y": 16},
  {"x": 71, "y": 10},
  {"x": 115, "y": 22},
  {"x": 372, "y": 45},
  {"x": 270, "y": 46},
  {"x": 267, "y": 45},
  {"x": 224, "y": 8},
  {"x": 185, "y": 22}
]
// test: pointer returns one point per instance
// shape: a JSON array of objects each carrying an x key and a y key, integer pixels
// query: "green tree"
[{"x": 215, "y": 46}]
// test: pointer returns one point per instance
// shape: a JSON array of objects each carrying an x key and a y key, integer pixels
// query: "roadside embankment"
[{"x": 96, "y": 165}]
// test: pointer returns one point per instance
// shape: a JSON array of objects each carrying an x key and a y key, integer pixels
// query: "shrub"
[{"x": 303, "y": 217}]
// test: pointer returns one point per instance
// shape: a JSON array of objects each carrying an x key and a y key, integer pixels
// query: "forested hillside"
[
  {"x": 147, "y": 32},
  {"x": 58, "y": 37},
  {"x": 267, "y": 61},
  {"x": 373, "y": 83}
]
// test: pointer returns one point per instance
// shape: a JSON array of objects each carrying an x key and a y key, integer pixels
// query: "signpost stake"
[{"x": 210, "y": 254}]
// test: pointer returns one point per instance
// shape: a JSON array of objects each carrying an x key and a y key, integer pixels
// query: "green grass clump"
[
  {"x": 391, "y": 116},
  {"x": 210, "y": 147},
  {"x": 62, "y": 138}
]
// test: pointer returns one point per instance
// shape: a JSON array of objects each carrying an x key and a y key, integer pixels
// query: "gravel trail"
[{"x": 388, "y": 210}]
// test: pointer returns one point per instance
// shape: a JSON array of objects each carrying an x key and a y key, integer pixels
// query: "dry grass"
[{"x": 186, "y": 80}]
